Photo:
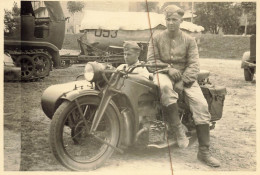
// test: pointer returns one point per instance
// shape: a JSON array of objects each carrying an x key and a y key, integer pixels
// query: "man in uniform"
[
  {"x": 180, "y": 51},
  {"x": 131, "y": 54}
]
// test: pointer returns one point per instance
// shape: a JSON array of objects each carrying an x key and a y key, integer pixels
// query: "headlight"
[
  {"x": 89, "y": 72},
  {"x": 93, "y": 71}
]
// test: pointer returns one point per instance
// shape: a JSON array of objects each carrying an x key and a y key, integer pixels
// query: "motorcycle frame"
[{"x": 126, "y": 92}]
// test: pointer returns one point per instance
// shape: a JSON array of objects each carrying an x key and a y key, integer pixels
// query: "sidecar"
[{"x": 54, "y": 95}]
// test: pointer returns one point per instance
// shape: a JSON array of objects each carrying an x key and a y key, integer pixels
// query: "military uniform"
[
  {"x": 139, "y": 71},
  {"x": 180, "y": 53},
  {"x": 131, "y": 54}
]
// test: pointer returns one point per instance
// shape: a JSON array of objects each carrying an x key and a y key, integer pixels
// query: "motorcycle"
[{"x": 112, "y": 110}]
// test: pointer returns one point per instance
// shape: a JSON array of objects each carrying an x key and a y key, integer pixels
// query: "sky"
[{"x": 9, "y": 4}]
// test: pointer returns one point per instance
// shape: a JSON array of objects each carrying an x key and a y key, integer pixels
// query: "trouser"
[{"x": 193, "y": 95}]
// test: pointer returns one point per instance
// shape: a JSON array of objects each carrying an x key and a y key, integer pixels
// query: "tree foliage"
[
  {"x": 152, "y": 6},
  {"x": 249, "y": 6},
  {"x": 75, "y": 6},
  {"x": 250, "y": 9},
  {"x": 10, "y": 19},
  {"x": 215, "y": 15}
]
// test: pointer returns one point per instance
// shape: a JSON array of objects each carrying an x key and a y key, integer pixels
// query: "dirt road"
[{"x": 26, "y": 129}]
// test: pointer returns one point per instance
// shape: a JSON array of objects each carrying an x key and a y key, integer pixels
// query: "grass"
[
  {"x": 217, "y": 46},
  {"x": 210, "y": 46},
  {"x": 70, "y": 42}
]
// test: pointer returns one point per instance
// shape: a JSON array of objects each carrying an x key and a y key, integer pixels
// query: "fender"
[
  {"x": 52, "y": 96},
  {"x": 54, "y": 51}
]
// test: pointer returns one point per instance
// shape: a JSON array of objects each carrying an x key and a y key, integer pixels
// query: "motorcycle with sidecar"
[{"x": 112, "y": 110}]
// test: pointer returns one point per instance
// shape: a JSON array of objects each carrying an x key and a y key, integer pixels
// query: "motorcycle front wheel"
[{"x": 72, "y": 144}]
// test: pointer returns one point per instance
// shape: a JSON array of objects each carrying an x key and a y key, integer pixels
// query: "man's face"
[
  {"x": 173, "y": 23},
  {"x": 131, "y": 56}
]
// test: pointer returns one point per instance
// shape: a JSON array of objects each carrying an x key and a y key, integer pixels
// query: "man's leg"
[
  {"x": 201, "y": 116},
  {"x": 169, "y": 100}
]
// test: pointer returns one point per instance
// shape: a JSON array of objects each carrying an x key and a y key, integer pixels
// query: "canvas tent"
[{"x": 128, "y": 21}]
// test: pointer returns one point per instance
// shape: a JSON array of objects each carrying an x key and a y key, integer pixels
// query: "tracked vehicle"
[{"x": 34, "y": 43}]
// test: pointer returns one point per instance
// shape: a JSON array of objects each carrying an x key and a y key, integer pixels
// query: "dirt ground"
[{"x": 26, "y": 129}]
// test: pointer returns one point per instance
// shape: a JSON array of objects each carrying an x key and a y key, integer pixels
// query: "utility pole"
[
  {"x": 246, "y": 24},
  {"x": 192, "y": 4}
]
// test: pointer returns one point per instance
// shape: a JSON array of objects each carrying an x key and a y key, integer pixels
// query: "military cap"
[
  {"x": 173, "y": 11},
  {"x": 131, "y": 45}
]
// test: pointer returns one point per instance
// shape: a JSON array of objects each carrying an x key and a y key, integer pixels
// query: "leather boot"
[
  {"x": 204, "y": 139},
  {"x": 176, "y": 125}
]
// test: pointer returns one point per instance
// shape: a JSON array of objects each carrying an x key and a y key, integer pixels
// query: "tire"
[
  {"x": 66, "y": 119},
  {"x": 249, "y": 74},
  {"x": 27, "y": 67},
  {"x": 42, "y": 65}
]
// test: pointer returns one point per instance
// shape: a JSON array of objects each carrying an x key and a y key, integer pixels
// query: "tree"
[
  {"x": 249, "y": 10},
  {"x": 73, "y": 7},
  {"x": 15, "y": 10},
  {"x": 9, "y": 19},
  {"x": 152, "y": 6},
  {"x": 215, "y": 15}
]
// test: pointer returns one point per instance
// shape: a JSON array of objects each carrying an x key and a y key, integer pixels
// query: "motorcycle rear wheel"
[{"x": 70, "y": 141}]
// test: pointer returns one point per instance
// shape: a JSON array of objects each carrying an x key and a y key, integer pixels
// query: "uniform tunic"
[{"x": 180, "y": 53}]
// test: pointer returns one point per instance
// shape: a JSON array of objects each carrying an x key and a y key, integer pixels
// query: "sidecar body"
[{"x": 54, "y": 95}]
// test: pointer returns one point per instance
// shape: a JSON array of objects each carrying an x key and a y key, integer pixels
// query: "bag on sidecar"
[{"x": 215, "y": 96}]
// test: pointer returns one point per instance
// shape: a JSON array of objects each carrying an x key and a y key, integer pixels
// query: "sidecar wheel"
[{"x": 71, "y": 143}]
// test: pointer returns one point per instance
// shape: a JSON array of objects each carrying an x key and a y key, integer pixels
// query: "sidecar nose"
[{"x": 51, "y": 97}]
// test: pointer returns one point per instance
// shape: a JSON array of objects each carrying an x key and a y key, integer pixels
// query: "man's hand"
[
  {"x": 174, "y": 74},
  {"x": 178, "y": 87}
]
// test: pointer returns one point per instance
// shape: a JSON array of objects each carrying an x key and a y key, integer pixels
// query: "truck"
[{"x": 34, "y": 42}]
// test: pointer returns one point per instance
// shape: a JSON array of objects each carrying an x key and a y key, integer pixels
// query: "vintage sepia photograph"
[{"x": 129, "y": 87}]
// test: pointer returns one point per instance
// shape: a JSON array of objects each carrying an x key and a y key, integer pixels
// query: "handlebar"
[
  {"x": 148, "y": 65},
  {"x": 114, "y": 72},
  {"x": 130, "y": 70},
  {"x": 160, "y": 65}
]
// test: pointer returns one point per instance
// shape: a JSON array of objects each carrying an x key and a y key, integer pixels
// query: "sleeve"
[
  {"x": 192, "y": 69},
  {"x": 153, "y": 53},
  {"x": 121, "y": 66}
]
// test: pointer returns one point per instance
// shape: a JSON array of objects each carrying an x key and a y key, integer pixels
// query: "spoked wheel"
[
  {"x": 42, "y": 65},
  {"x": 73, "y": 145},
  {"x": 27, "y": 66}
]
